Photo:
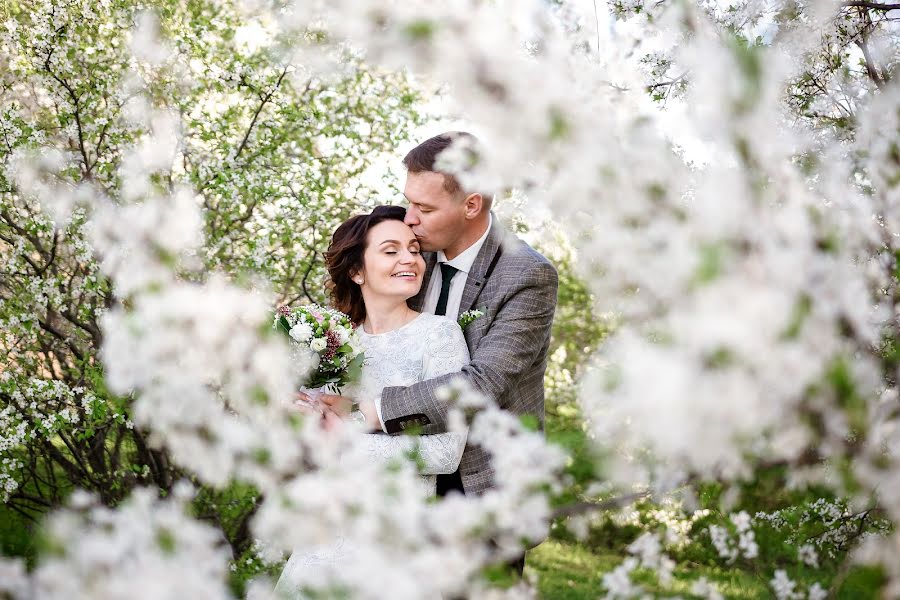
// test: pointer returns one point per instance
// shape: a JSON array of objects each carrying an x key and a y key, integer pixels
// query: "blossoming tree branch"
[{"x": 725, "y": 179}]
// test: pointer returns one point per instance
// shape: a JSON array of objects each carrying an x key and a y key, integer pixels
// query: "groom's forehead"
[
  {"x": 430, "y": 181},
  {"x": 426, "y": 192},
  {"x": 421, "y": 200}
]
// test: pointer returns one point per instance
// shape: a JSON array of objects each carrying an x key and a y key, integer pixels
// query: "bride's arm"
[
  {"x": 445, "y": 352},
  {"x": 436, "y": 454}
]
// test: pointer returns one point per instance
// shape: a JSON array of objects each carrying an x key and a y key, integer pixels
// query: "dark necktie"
[
  {"x": 447, "y": 273},
  {"x": 447, "y": 483}
]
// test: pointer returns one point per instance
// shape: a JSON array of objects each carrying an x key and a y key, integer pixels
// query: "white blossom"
[
  {"x": 808, "y": 555},
  {"x": 783, "y": 587},
  {"x": 817, "y": 592},
  {"x": 147, "y": 548},
  {"x": 301, "y": 332},
  {"x": 618, "y": 582},
  {"x": 705, "y": 589}
]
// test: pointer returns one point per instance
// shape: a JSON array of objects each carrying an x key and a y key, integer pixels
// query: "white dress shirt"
[{"x": 464, "y": 263}]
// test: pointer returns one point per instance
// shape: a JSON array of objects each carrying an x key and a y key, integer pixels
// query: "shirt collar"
[{"x": 467, "y": 257}]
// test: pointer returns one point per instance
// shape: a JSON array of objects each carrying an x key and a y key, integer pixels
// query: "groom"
[{"x": 473, "y": 264}]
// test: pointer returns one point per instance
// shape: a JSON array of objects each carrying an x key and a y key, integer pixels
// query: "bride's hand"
[
  {"x": 338, "y": 404},
  {"x": 331, "y": 420},
  {"x": 307, "y": 404}
]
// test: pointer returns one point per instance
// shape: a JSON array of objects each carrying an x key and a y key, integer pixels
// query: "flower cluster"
[
  {"x": 331, "y": 338},
  {"x": 786, "y": 589},
  {"x": 467, "y": 317},
  {"x": 725, "y": 544},
  {"x": 154, "y": 535}
]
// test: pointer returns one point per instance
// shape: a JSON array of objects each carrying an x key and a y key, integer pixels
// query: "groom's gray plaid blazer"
[{"x": 516, "y": 288}]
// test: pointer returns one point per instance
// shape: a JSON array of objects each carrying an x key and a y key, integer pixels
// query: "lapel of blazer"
[
  {"x": 416, "y": 301},
  {"x": 482, "y": 267}
]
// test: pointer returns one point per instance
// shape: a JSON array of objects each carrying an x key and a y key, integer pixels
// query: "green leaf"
[
  {"x": 559, "y": 125},
  {"x": 354, "y": 369},
  {"x": 530, "y": 422},
  {"x": 802, "y": 309},
  {"x": 166, "y": 540},
  {"x": 283, "y": 325},
  {"x": 711, "y": 259},
  {"x": 420, "y": 30},
  {"x": 897, "y": 266}
]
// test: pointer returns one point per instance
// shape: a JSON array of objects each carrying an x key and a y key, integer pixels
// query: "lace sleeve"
[
  {"x": 446, "y": 350},
  {"x": 440, "y": 453}
]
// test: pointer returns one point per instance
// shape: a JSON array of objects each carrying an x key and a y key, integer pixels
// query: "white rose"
[
  {"x": 318, "y": 344},
  {"x": 343, "y": 334},
  {"x": 301, "y": 332}
]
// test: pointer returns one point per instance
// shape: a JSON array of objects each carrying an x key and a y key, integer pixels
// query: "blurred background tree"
[{"x": 276, "y": 154}]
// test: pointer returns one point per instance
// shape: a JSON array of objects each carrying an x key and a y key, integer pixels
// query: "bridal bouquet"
[{"x": 330, "y": 341}]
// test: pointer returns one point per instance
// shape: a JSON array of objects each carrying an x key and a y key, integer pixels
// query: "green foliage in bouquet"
[{"x": 331, "y": 339}]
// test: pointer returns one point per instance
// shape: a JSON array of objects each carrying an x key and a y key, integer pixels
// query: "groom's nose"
[{"x": 411, "y": 218}]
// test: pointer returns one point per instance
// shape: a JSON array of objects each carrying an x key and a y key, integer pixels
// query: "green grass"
[{"x": 568, "y": 571}]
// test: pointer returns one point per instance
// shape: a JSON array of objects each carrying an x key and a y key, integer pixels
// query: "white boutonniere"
[{"x": 467, "y": 317}]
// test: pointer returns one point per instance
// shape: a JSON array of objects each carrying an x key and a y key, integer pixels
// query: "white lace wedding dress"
[{"x": 426, "y": 347}]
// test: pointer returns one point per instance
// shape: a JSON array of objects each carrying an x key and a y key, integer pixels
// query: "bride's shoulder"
[{"x": 436, "y": 323}]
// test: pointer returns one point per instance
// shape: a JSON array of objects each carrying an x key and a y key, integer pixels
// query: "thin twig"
[
  {"x": 669, "y": 83},
  {"x": 870, "y": 5},
  {"x": 259, "y": 110}
]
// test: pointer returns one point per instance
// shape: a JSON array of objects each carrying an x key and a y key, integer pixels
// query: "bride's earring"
[{"x": 358, "y": 280}]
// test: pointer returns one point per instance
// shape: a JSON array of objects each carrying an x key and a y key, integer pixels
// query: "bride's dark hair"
[{"x": 344, "y": 258}]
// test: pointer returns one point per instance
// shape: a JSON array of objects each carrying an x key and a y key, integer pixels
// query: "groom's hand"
[{"x": 340, "y": 405}]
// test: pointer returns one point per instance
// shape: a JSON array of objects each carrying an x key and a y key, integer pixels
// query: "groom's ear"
[{"x": 474, "y": 203}]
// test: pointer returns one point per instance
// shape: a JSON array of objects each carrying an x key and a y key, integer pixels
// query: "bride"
[{"x": 374, "y": 267}]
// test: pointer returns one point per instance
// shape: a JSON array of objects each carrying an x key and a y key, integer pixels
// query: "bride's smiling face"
[{"x": 392, "y": 264}]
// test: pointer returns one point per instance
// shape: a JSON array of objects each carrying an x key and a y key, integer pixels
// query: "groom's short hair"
[{"x": 424, "y": 156}]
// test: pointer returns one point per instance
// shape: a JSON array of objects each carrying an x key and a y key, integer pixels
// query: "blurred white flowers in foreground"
[{"x": 756, "y": 290}]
